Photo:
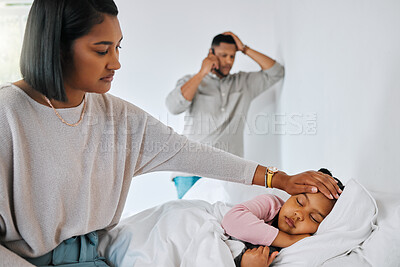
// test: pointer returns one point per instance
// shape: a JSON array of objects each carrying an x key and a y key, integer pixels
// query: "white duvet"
[
  {"x": 188, "y": 233},
  {"x": 183, "y": 233}
]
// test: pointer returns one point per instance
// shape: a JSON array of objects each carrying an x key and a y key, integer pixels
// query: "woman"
[{"x": 68, "y": 150}]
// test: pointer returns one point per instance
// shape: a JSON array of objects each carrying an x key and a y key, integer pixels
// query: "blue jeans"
[
  {"x": 184, "y": 183},
  {"x": 77, "y": 251}
]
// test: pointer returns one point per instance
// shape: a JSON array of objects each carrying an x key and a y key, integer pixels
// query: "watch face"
[{"x": 273, "y": 169}]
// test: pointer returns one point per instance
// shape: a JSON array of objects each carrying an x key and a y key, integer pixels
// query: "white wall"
[
  {"x": 338, "y": 104},
  {"x": 342, "y": 62},
  {"x": 163, "y": 41},
  {"x": 12, "y": 28}
]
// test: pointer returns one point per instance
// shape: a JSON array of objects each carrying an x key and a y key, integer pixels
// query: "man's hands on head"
[
  {"x": 258, "y": 257},
  {"x": 307, "y": 182},
  {"x": 211, "y": 62},
  {"x": 239, "y": 44}
]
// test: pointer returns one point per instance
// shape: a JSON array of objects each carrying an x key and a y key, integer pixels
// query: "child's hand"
[{"x": 257, "y": 257}]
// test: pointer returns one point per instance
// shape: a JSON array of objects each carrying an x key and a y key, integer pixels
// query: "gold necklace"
[{"x": 59, "y": 116}]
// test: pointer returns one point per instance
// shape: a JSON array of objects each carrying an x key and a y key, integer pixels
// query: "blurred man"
[{"x": 216, "y": 102}]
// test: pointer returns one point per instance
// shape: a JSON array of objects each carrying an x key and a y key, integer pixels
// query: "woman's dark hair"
[
  {"x": 326, "y": 171},
  {"x": 221, "y": 38},
  {"x": 51, "y": 29}
]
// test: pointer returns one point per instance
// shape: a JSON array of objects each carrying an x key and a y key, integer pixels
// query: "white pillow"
[
  {"x": 382, "y": 247},
  {"x": 348, "y": 225}
]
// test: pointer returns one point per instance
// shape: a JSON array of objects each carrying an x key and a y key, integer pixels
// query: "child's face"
[{"x": 302, "y": 214}]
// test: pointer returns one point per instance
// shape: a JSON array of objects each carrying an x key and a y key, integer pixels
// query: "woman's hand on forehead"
[{"x": 307, "y": 182}]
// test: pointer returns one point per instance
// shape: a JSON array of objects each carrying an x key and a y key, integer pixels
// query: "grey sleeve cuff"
[
  {"x": 249, "y": 172},
  {"x": 276, "y": 70},
  {"x": 181, "y": 100},
  {"x": 175, "y": 101},
  {"x": 260, "y": 81}
]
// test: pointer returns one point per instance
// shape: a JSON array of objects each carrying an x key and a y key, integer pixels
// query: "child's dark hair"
[{"x": 326, "y": 171}]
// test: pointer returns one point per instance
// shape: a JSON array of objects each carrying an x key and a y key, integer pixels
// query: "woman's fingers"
[
  {"x": 303, "y": 188},
  {"x": 326, "y": 184},
  {"x": 312, "y": 182}
]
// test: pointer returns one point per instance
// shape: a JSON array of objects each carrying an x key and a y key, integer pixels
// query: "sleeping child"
[{"x": 269, "y": 221}]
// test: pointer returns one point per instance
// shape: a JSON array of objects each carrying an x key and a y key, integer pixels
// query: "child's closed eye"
[
  {"x": 298, "y": 202},
  {"x": 314, "y": 220}
]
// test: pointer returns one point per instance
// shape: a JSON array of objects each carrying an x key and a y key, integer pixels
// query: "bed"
[{"x": 361, "y": 230}]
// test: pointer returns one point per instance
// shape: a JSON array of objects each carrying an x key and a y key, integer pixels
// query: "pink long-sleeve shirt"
[{"x": 251, "y": 221}]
